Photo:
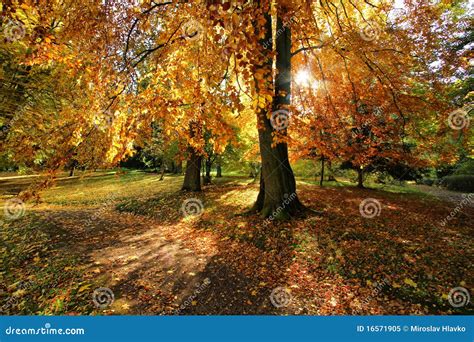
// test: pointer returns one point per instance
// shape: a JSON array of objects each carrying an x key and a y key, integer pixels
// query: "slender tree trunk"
[
  {"x": 360, "y": 178},
  {"x": 252, "y": 174},
  {"x": 192, "y": 179},
  {"x": 322, "y": 172},
  {"x": 331, "y": 177},
  {"x": 277, "y": 181},
  {"x": 207, "y": 175},
  {"x": 71, "y": 172},
  {"x": 218, "y": 170},
  {"x": 257, "y": 174},
  {"x": 74, "y": 164},
  {"x": 162, "y": 176},
  {"x": 179, "y": 168}
]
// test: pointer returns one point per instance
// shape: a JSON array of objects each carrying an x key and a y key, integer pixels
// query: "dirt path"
[
  {"x": 449, "y": 196},
  {"x": 153, "y": 268}
]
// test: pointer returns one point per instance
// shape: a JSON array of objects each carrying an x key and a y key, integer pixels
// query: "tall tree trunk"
[
  {"x": 322, "y": 172},
  {"x": 252, "y": 173},
  {"x": 179, "y": 168},
  {"x": 360, "y": 178},
  {"x": 218, "y": 170},
  {"x": 277, "y": 181},
  {"x": 207, "y": 175},
  {"x": 192, "y": 179},
  {"x": 331, "y": 177},
  {"x": 71, "y": 172},
  {"x": 162, "y": 176},
  {"x": 257, "y": 171},
  {"x": 74, "y": 164}
]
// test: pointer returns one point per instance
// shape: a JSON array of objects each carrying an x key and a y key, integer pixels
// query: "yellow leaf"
[
  {"x": 19, "y": 293},
  {"x": 194, "y": 303},
  {"x": 410, "y": 282},
  {"x": 84, "y": 288}
]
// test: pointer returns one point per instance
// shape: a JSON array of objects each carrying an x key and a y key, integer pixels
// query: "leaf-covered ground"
[{"x": 128, "y": 233}]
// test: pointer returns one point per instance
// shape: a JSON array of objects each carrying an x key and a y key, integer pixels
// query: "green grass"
[
  {"x": 38, "y": 279},
  {"x": 97, "y": 189}
]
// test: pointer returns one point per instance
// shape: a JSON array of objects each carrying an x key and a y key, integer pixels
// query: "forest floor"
[{"x": 128, "y": 233}]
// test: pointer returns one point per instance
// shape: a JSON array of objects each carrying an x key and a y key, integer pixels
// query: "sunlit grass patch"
[{"x": 96, "y": 190}]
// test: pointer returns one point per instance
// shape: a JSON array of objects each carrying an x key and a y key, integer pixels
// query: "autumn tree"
[{"x": 120, "y": 66}]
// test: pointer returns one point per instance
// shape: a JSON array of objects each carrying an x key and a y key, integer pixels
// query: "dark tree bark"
[
  {"x": 179, "y": 168},
  {"x": 162, "y": 176},
  {"x": 218, "y": 170},
  {"x": 360, "y": 178},
  {"x": 71, "y": 172},
  {"x": 252, "y": 174},
  {"x": 322, "y": 172},
  {"x": 277, "y": 181},
  {"x": 192, "y": 179},
  {"x": 331, "y": 177},
  {"x": 74, "y": 164},
  {"x": 257, "y": 173},
  {"x": 207, "y": 175}
]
